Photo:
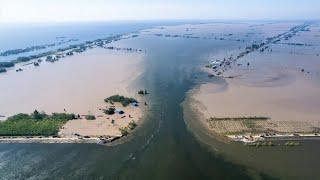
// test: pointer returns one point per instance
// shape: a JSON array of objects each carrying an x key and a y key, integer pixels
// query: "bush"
[
  {"x": 132, "y": 125},
  {"x": 63, "y": 116},
  {"x": 109, "y": 111},
  {"x": 90, "y": 117},
  {"x": 125, "y": 101},
  {"x": 124, "y": 131}
]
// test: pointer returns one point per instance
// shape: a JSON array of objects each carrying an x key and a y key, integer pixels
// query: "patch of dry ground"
[{"x": 103, "y": 125}]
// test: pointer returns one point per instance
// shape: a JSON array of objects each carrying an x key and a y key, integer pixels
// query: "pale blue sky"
[{"x": 108, "y": 10}]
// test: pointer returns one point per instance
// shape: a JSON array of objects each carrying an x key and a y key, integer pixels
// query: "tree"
[
  {"x": 90, "y": 117},
  {"x": 36, "y": 115},
  {"x": 132, "y": 125},
  {"x": 124, "y": 131},
  {"x": 109, "y": 111}
]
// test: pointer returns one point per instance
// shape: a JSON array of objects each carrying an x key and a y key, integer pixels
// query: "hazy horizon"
[{"x": 12, "y": 11}]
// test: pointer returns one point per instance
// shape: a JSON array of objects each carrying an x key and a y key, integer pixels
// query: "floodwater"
[
  {"x": 273, "y": 85},
  {"x": 164, "y": 147},
  {"x": 78, "y": 84}
]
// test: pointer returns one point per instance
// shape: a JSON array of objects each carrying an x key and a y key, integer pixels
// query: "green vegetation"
[
  {"x": 109, "y": 111},
  {"x": 124, "y": 131},
  {"x": 125, "y": 101},
  {"x": 90, "y": 117},
  {"x": 62, "y": 116},
  {"x": 132, "y": 125},
  {"x": 35, "y": 124}
]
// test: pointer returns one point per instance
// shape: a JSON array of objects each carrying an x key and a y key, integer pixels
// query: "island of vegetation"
[
  {"x": 35, "y": 124},
  {"x": 117, "y": 119}
]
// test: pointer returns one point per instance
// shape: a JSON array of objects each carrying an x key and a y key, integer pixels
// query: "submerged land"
[
  {"x": 88, "y": 96},
  {"x": 267, "y": 90}
]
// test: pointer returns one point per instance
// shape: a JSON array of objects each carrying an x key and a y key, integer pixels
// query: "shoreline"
[
  {"x": 75, "y": 138},
  {"x": 247, "y": 139},
  {"x": 43, "y": 139}
]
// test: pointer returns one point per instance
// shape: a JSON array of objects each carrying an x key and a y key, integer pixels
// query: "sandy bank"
[{"x": 103, "y": 125}]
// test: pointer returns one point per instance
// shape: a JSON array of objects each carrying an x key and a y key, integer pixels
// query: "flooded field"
[{"x": 77, "y": 84}]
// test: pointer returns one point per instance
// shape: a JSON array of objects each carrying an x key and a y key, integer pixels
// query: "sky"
[{"x": 112, "y": 10}]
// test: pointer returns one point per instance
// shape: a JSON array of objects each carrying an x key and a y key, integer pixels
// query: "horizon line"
[{"x": 159, "y": 20}]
